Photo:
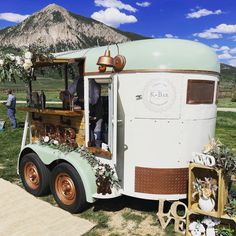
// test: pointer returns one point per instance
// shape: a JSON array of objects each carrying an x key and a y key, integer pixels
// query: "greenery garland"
[{"x": 102, "y": 171}]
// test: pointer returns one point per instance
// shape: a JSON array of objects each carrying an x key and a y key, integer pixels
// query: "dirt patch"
[{"x": 131, "y": 222}]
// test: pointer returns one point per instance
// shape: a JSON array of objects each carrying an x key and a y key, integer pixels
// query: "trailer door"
[{"x": 108, "y": 95}]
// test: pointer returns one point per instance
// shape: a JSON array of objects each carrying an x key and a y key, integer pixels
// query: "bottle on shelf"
[{"x": 42, "y": 99}]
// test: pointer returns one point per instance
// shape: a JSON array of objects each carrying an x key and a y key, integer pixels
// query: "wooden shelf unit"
[
  {"x": 224, "y": 219},
  {"x": 40, "y": 119},
  {"x": 200, "y": 171}
]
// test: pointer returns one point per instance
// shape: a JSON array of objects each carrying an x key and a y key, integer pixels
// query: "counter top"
[{"x": 52, "y": 111}]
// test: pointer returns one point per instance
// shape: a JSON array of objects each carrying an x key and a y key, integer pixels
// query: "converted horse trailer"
[{"x": 159, "y": 99}]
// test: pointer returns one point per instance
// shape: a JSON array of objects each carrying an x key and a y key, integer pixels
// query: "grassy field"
[
  {"x": 120, "y": 216},
  {"x": 226, "y": 102}
]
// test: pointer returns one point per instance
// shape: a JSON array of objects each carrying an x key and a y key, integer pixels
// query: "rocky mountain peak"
[{"x": 61, "y": 30}]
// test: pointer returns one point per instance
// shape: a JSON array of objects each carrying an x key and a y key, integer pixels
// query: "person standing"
[{"x": 11, "y": 108}]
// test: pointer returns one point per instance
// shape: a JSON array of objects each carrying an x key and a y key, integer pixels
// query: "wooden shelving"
[{"x": 195, "y": 214}]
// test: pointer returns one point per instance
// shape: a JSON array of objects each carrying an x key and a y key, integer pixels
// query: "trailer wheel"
[
  {"x": 67, "y": 188},
  {"x": 35, "y": 175}
]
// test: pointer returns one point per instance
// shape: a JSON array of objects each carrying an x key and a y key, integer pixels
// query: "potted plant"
[{"x": 206, "y": 190}]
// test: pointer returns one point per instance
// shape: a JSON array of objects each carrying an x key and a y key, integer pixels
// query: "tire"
[
  {"x": 35, "y": 175},
  {"x": 67, "y": 188}
]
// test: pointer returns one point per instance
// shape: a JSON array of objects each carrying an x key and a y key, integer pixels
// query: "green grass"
[
  {"x": 129, "y": 216},
  {"x": 226, "y": 102},
  {"x": 51, "y": 86},
  {"x": 226, "y": 128},
  {"x": 10, "y": 141}
]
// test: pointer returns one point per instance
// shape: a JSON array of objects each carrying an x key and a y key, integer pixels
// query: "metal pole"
[{"x": 23, "y": 142}]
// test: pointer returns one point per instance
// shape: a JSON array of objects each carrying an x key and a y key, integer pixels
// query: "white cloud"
[
  {"x": 143, "y": 4},
  {"x": 225, "y": 55},
  {"x": 224, "y": 29},
  {"x": 113, "y": 17},
  {"x": 13, "y": 17},
  {"x": 216, "y": 33},
  {"x": 222, "y": 48},
  {"x": 215, "y": 45},
  {"x": 170, "y": 36},
  {"x": 232, "y": 62},
  {"x": 208, "y": 35},
  {"x": 202, "y": 12},
  {"x": 233, "y": 51},
  {"x": 114, "y": 4}
]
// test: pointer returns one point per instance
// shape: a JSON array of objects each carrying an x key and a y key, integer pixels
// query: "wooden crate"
[
  {"x": 225, "y": 221},
  {"x": 201, "y": 171}
]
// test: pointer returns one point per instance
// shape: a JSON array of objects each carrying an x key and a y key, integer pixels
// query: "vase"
[{"x": 206, "y": 204}]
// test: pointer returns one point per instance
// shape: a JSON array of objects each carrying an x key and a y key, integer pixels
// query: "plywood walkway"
[{"x": 21, "y": 214}]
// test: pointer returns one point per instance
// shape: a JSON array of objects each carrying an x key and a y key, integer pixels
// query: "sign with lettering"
[
  {"x": 173, "y": 214},
  {"x": 159, "y": 95}
]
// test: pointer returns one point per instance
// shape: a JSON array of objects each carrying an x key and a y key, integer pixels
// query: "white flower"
[
  {"x": 55, "y": 142},
  {"x": 19, "y": 60},
  {"x": 28, "y": 64},
  {"x": 1, "y": 62},
  {"x": 46, "y": 139},
  {"x": 196, "y": 228},
  {"x": 28, "y": 55},
  {"x": 11, "y": 56}
]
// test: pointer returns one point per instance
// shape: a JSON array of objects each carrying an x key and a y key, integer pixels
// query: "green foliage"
[
  {"x": 224, "y": 231},
  {"x": 233, "y": 99},
  {"x": 230, "y": 207}
]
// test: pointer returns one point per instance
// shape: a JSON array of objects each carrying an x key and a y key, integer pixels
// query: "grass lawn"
[
  {"x": 226, "y": 102},
  {"x": 119, "y": 216}
]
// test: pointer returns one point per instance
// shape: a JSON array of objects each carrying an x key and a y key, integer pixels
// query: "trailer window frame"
[{"x": 200, "y": 91}]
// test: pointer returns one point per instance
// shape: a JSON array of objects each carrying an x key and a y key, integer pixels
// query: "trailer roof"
[{"x": 153, "y": 55}]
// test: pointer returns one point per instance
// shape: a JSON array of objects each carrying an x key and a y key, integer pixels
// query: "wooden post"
[
  {"x": 30, "y": 92},
  {"x": 66, "y": 77}
]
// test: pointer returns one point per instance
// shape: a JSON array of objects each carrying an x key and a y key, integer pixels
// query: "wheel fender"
[{"x": 49, "y": 155}]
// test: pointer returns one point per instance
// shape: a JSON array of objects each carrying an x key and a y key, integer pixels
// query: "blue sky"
[{"x": 212, "y": 22}]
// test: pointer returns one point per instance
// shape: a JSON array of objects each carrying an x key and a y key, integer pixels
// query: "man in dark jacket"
[{"x": 11, "y": 108}]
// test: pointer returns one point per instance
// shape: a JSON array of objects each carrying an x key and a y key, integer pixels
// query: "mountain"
[
  {"x": 61, "y": 30},
  {"x": 228, "y": 73}
]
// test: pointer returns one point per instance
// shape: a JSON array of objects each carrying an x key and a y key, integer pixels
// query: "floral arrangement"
[
  {"x": 104, "y": 173},
  {"x": 224, "y": 157},
  {"x": 210, "y": 226},
  {"x": 205, "y": 188},
  {"x": 20, "y": 66}
]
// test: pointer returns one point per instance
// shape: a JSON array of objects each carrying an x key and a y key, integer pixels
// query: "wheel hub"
[
  {"x": 65, "y": 188},
  {"x": 31, "y": 175}
]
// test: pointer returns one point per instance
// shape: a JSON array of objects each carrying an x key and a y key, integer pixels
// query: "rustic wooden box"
[
  {"x": 225, "y": 221},
  {"x": 201, "y": 171}
]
